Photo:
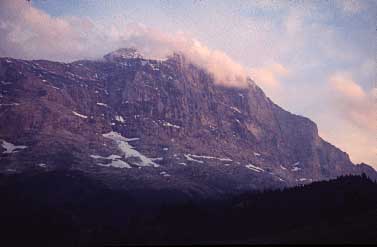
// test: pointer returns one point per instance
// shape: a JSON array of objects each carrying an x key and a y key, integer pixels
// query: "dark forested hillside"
[{"x": 69, "y": 208}]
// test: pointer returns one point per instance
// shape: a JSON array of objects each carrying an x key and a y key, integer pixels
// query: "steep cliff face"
[{"x": 140, "y": 123}]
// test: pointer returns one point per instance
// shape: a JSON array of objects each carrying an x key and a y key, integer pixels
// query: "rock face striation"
[{"x": 141, "y": 124}]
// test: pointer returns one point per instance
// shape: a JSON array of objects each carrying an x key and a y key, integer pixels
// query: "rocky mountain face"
[{"x": 142, "y": 124}]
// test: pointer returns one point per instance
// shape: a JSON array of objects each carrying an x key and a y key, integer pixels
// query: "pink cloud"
[
  {"x": 269, "y": 77},
  {"x": 346, "y": 87},
  {"x": 30, "y": 33},
  {"x": 352, "y": 101}
]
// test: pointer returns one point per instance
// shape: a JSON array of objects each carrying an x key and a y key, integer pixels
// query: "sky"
[{"x": 313, "y": 58}]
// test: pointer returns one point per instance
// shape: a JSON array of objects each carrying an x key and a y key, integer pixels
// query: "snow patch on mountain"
[
  {"x": 235, "y": 109},
  {"x": 194, "y": 157},
  {"x": 158, "y": 158},
  {"x": 189, "y": 158},
  {"x": 102, "y": 104},
  {"x": 209, "y": 157},
  {"x": 296, "y": 169},
  {"x": 165, "y": 174},
  {"x": 128, "y": 150},
  {"x": 10, "y": 104},
  {"x": 119, "y": 118},
  {"x": 254, "y": 168},
  {"x": 167, "y": 124},
  {"x": 11, "y": 148},
  {"x": 79, "y": 115},
  {"x": 115, "y": 161}
]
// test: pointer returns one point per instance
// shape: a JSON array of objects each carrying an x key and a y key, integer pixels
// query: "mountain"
[{"x": 160, "y": 125}]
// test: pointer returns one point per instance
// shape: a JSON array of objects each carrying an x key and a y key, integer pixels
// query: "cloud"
[
  {"x": 346, "y": 87},
  {"x": 269, "y": 77},
  {"x": 353, "y": 102},
  {"x": 313, "y": 43},
  {"x": 225, "y": 70},
  {"x": 354, "y": 119},
  {"x": 156, "y": 44},
  {"x": 30, "y": 33},
  {"x": 350, "y": 6},
  {"x": 360, "y": 144}
]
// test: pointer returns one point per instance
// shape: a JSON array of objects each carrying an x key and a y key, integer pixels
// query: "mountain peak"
[{"x": 122, "y": 54}]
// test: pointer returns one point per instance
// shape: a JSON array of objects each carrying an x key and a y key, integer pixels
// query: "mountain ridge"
[{"x": 201, "y": 136}]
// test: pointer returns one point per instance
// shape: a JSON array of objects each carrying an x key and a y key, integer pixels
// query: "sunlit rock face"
[{"x": 162, "y": 124}]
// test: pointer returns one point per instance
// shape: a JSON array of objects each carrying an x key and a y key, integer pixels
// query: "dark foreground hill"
[{"x": 69, "y": 208}]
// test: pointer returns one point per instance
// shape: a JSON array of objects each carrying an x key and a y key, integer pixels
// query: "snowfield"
[
  {"x": 11, "y": 148},
  {"x": 128, "y": 150}
]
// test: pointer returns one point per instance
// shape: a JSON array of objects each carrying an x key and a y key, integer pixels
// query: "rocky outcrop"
[{"x": 139, "y": 123}]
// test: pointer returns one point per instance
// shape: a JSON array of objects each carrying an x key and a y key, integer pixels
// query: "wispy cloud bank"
[
  {"x": 30, "y": 33},
  {"x": 354, "y": 115},
  {"x": 350, "y": 6},
  {"x": 353, "y": 102},
  {"x": 269, "y": 77}
]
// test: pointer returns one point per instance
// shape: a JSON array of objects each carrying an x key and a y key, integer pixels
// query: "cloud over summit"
[{"x": 30, "y": 33}]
